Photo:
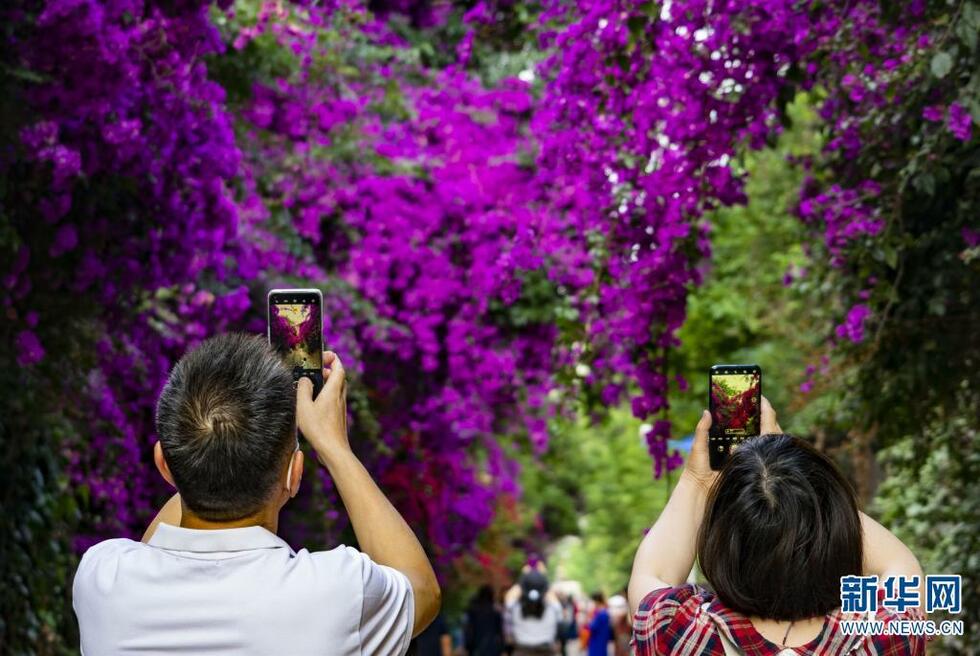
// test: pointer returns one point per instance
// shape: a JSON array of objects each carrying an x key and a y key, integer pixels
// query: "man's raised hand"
[{"x": 324, "y": 421}]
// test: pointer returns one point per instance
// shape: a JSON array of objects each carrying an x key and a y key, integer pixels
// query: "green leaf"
[
  {"x": 926, "y": 183},
  {"x": 941, "y": 64},
  {"x": 25, "y": 74},
  {"x": 636, "y": 25},
  {"x": 971, "y": 15},
  {"x": 891, "y": 256},
  {"x": 967, "y": 35}
]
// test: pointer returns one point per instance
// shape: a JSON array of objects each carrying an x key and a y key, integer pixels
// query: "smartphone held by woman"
[{"x": 735, "y": 403}]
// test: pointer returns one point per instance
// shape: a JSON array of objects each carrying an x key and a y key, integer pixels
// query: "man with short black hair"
[{"x": 211, "y": 576}]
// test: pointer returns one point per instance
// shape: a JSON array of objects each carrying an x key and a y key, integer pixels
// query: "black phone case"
[
  {"x": 315, "y": 376},
  {"x": 720, "y": 447}
]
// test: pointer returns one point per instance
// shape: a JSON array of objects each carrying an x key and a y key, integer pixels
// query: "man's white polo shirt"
[{"x": 237, "y": 591}]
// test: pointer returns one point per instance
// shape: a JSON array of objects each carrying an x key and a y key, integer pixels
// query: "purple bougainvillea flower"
[
  {"x": 853, "y": 326},
  {"x": 960, "y": 122},
  {"x": 65, "y": 239},
  {"x": 934, "y": 113},
  {"x": 28, "y": 347}
]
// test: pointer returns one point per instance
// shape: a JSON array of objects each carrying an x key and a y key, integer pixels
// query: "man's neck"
[{"x": 264, "y": 518}]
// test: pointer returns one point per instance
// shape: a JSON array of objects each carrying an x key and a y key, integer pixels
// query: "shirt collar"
[
  {"x": 176, "y": 538},
  {"x": 741, "y": 632}
]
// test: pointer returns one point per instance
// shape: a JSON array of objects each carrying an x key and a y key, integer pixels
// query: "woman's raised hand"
[
  {"x": 698, "y": 467},
  {"x": 769, "y": 424}
]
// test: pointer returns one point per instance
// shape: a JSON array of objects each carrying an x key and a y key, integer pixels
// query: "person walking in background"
[
  {"x": 600, "y": 628},
  {"x": 533, "y": 614},
  {"x": 567, "y": 628},
  {"x": 434, "y": 641},
  {"x": 484, "y": 629},
  {"x": 211, "y": 576},
  {"x": 583, "y": 615},
  {"x": 619, "y": 618}
]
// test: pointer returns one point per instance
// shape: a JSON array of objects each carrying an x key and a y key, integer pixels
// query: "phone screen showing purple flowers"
[{"x": 296, "y": 329}]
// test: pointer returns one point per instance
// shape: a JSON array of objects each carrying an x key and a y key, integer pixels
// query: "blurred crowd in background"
[{"x": 534, "y": 617}]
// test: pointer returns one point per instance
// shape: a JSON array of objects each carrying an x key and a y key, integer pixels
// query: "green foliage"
[
  {"x": 502, "y": 47},
  {"x": 743, "y": 313},
  {"x": 930, "y": 498},
  {"x": 38, "y": 516},
  {"x": 604, "y": 474}
]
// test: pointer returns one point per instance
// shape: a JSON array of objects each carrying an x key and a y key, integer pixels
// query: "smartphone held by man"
[{"x": 296, "y": 331}]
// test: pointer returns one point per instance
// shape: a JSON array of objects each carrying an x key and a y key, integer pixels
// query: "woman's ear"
[
  {"x": 161, "y": 464},
  {"x": 295, "y": 475}
]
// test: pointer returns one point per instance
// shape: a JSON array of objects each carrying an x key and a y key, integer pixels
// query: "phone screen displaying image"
[
  {"x": 296, "y": 329},
  {"x": 736, "y": 402}
]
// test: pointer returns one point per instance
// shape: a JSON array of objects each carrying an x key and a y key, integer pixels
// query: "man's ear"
[
  {"x": 295, "y": 474},
  {"x": 162, "y": 465}
]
